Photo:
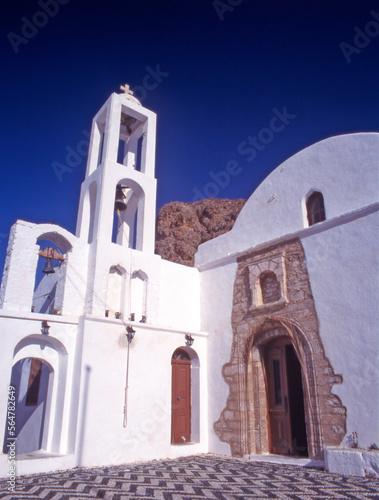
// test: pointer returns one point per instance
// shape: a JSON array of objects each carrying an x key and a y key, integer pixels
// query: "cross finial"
[{"x": 126, "y": 89}]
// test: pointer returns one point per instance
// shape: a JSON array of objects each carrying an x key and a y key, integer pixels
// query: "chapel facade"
[{"x": 269, "y": 345}]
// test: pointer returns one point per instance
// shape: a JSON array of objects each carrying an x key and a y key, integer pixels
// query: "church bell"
[
  {"x": 49, "y": 267},
  {"x": 119, "y": 204}
]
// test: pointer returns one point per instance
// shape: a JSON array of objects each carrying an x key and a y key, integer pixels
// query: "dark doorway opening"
[
  {"x": 285, "y": 396},
  {"x": 296, "y": 402}
]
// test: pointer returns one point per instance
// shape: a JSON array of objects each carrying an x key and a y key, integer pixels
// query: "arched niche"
[
  {"x": 38, "y": 376},
  {"x": 128, "y": 223},
  {"x": 115, "y": 292},
  {"x": 138, "y": 295},
  {"x": 270, "y": 287},
  {"x": 49, "y": 288}
]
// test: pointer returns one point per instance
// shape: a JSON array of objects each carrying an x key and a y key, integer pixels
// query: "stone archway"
[{"x": 244, "y": 423}]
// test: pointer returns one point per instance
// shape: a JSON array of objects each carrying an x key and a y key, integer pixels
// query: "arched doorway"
[
  {"x": 32, "y": 379},
  {"x": 181, "y": 397},
  {"x": 285, "y": 399}
]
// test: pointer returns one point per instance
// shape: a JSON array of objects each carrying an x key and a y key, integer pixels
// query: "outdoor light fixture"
[
  {"x": 45, "y": 327},
  {"x": 189, "y": 340},
  {"x": 130, "y": 333}
]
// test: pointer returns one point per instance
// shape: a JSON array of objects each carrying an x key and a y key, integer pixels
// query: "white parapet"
[{"x": 351, "y": 462}]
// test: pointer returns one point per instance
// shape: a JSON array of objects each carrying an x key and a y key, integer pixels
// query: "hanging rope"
[
  {"x": 125, "y": 418},
  {"x": 126, "y": 324},
  {"x": 129, "y": 277}
]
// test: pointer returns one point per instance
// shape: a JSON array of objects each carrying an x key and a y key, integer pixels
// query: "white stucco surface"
[
  {"x": 147, "y": 435},
  {"x": 216, "y": 309},
  {"x": 179, "y": 296},
  {"x": 343, "y": 265}
]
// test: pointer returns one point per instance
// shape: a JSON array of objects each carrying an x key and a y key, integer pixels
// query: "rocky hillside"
[{"x": 182, "y": 227}]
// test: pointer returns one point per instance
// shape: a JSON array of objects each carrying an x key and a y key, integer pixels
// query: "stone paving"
[{"x": 196, "y": 477}]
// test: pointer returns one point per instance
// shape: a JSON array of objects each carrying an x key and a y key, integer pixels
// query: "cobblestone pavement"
[{"x": 196, "y": 477}]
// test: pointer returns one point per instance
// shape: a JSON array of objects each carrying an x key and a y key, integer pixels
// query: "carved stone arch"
[
  {"x": 243, "y": 423},
  {"x": 266, "y": 333}
]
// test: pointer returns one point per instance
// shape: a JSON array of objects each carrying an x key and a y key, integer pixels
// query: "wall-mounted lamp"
[
  {"x": 130, "y": 333},
  {"x": 45, "y": 327},
  {"x": 189, "y": 340}
]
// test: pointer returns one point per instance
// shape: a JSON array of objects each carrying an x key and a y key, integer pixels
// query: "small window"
[
  {"x": 270, "y": 287},
  {"x": 34, "y": 382},
  {"x": 315, "y": 208}
]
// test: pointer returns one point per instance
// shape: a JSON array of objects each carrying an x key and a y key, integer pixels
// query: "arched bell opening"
[
  {"x": 130, "y": 142},
  {"x": 50, "y": 273},
  {"x": 127, "y": 228}
]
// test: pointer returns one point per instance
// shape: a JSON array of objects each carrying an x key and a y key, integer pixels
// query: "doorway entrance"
[
  {"x": 285, "y": 399},
  {"x": 181, "y": 397}
]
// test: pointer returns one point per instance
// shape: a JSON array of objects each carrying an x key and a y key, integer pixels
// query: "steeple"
[{"x": 121, "y": 165}]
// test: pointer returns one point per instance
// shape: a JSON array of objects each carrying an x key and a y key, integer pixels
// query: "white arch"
[{"x": 53, "y": 352}]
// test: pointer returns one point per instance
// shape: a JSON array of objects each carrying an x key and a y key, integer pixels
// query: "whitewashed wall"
[
  {"x": 102, "y": 439},
  {"x": 216, "y": 309},
  {"x": 343, "y": 265}
]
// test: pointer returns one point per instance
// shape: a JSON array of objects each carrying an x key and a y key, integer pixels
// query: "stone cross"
[{"x": 126, "y": 89}]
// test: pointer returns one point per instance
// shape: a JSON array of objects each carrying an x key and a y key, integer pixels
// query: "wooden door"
[
  {"x": 181, "y": 398},
  {"x": 279, "y": 414}
]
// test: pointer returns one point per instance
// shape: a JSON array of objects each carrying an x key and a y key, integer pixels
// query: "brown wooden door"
[
  {"x": 279, "y": 415},
  {"x": 181, "y": 398}
]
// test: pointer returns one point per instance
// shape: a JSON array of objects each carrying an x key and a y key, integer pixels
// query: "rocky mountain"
[{"x": 182, "y": 227}]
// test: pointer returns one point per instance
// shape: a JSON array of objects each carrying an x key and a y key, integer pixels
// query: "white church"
[{"x": 268, "y": 347}]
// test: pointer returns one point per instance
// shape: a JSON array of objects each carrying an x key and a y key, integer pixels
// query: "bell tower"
[{"x": 118, "y": 195}]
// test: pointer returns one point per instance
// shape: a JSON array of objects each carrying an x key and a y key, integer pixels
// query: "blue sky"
[{"x": 239, "y": 86}]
